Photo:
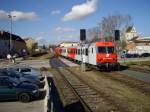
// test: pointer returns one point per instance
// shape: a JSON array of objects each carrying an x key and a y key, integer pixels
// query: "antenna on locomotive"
[{"x": 82, "y": 42}]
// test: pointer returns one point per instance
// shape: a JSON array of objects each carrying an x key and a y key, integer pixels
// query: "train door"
[
  {"x": 85, "y": 53},
  {"x": 78, "y": 56},
  {"x": 92, "y": 54}
]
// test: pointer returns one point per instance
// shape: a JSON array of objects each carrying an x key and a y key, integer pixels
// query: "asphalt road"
[
  {"x": 15, "y": 106},
  {"x": 138, "y": 75}
]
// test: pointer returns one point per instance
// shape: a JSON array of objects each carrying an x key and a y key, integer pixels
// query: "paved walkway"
[{"x": 67, "y": 62}]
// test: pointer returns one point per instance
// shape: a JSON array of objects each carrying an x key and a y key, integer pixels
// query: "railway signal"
[{"x": 82, "y": 39}]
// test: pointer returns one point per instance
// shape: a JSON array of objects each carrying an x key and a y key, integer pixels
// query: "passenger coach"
[{"x": 100, "y": 54}]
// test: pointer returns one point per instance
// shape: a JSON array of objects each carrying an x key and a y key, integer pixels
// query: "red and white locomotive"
[{"x": 100, "y": 54}]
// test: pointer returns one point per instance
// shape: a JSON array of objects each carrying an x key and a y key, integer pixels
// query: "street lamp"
[{"x": 10, "y": 39}]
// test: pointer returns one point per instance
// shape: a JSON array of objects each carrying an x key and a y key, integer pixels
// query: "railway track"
[
  {"x": 129, "y": 81},
  {"x": 98, "y": 97},
  {"x": 91, "y": 99}
]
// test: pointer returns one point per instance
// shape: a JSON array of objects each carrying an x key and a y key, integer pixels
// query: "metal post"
[
  {"x": 10, "y": 33},
  {"x": 82, "y": 64},
  {"x": 10, "y": 39}
]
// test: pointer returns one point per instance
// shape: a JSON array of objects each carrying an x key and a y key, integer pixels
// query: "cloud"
[
  {"x": 63, "y": 29},
  {"x": 3, "y": 15},
  {"x": 18, "y": 15},
  {"x": 81, "y": 11},
  {"x": 71, "y": 38},
  {"x": 55, "y": 12}
]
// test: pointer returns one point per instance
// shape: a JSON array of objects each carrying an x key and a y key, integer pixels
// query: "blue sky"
[{"x": 53, "y": 21}]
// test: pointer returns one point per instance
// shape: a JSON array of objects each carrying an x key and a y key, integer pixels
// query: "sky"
[{"x": 54, "y": 21}]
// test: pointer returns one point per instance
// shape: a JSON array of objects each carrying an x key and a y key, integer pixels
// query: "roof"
[
  {"x": 68, "y": 42},
  {"x": 6, "y": 35},
  {"x": 129, "y": 29},
  {"x": 134, "y": 38}
]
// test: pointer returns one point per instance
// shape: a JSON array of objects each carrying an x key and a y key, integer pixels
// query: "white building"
[
  {"x": 130, "y": 33},
  {"x": 68, "y": 44},
  {"x": 135, "y": 43}
]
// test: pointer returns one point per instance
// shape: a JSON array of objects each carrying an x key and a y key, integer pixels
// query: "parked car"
[
  {"x": 12, "y": 89},
  {"x": 131, "y": 55},
  {"x": 28, "y": 71},
  {"x": 145, "y": 55},
  {"x": 20, "y": 77}
]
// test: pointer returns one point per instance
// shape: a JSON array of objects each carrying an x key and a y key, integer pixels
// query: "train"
[{"x": 101, "y": 55}]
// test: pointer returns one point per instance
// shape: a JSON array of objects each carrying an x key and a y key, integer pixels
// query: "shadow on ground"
[
  {"x": 57, "y": 103},
  {"x": 123, "y": 67}
]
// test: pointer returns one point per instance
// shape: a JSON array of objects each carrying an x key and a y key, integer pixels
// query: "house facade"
[
  {"x": 130, "y": 33},
  {"x": 17, "y": 44},
  {"x": 136, "y": 44}
]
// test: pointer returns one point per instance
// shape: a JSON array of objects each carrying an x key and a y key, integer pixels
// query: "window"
[
  {"x": 83, "y": 51},
  {"x": 105, "y": 49},
  {"x": 86, "y": 52},
  {"x": 78, "y": 51},
  {"x": 4, "y": 82},
  {"x": 92, "y": 50}
]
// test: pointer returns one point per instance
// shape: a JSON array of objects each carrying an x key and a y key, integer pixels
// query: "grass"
[{"x": 141, "y": 63}]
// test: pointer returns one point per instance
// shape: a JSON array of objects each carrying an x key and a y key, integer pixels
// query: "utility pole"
[{"x": 10, "y": 39}]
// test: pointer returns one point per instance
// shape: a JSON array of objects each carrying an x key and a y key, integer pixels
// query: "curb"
[{"x": 47, "y": 97}]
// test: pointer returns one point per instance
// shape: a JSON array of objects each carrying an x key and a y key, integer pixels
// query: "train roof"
[
  {"x": 104, "y": 43},
  {"x": 91, "y": 44}
]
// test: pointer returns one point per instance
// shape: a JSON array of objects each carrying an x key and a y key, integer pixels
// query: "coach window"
[
  {"x": 92, "y": 50},
  {"x": 86, "y": 52},
  {"x": 78, "y": 51},
  {"x": 83, "y": 51}
]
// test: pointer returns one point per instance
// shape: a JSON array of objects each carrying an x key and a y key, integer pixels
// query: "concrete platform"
[{"x": 69, "y": 63}]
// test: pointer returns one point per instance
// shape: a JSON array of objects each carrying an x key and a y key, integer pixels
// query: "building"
[
  {"x": 136, "y": 44},
  {"x": 130, "y": 33},
  {"x": 17, "y": 44},
  {"x": 68, "y": 44},
  {"x": 31, "y": 44}
]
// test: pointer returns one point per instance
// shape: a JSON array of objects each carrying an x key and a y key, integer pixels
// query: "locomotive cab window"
[
  {"x": 78, "y": 51},
  {"x": 105, "y": 49},
  {"x": 86, "y": 52},
  {"x": 92, "y": 50}
]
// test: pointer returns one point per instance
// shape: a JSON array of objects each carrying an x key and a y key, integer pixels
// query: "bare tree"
[
  {"x": 93, "y": 34},
  {"x": 105, "y": 29},
  {"x": 115, "y": 22}
]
